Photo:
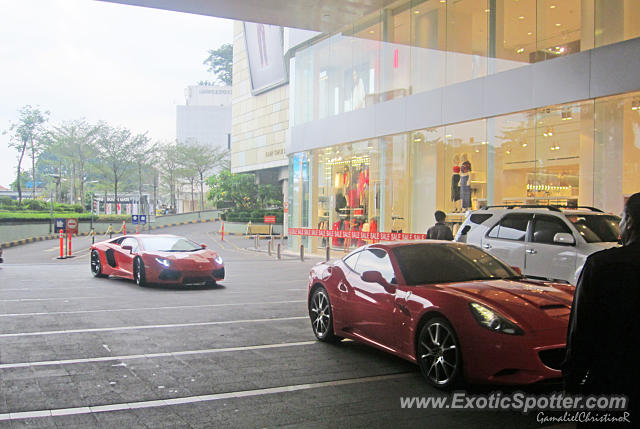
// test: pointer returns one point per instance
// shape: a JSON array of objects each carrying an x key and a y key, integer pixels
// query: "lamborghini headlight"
[
  {"x": 164, "y": 262},
  {"x": 218, "y": 259},
  {"x": 494, "y": 321}
]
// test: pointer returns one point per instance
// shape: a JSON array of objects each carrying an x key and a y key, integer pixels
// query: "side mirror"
[
  {"x": 564, "y": 238},
  {"x": 376, "y": 277},
  {"x": 129, "y": 248},
  {"x": 204, "y": 246}
]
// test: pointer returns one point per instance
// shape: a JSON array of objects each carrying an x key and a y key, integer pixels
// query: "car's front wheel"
[
  {"x": 439, "y": 354},
  {"x": 321, "y": 316},
  {"x": 139, "y": 273},
  {"x": 96, "y": 265}
]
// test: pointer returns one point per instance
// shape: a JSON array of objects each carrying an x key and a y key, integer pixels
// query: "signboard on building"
[
  {"x": 269, "y": 219},
  {"x": 265, "y": 53}
]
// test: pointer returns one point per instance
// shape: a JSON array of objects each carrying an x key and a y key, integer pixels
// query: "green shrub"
[{"x": 36, "y": 205}]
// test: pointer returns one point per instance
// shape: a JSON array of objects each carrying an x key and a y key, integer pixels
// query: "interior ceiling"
[{"x": 317, "y": 15}]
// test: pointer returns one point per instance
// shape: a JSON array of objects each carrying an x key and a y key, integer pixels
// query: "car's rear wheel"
[
  {"x": 96, "y": 265},
  {"x": 439, "y": 354},
  {"x": 139, "y": 273},
  {"x": 321, "y": 316}
]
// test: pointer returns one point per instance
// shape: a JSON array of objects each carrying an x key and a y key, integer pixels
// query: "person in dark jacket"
[
  {"x": 603, "y": 338},
  {"x": 440, "y": 231}
]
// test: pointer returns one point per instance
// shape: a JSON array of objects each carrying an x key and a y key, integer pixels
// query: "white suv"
[{"x": 545, "y": 242}]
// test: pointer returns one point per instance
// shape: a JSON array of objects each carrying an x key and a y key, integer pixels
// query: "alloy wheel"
[
  {"x": 438, "y": 353},
  {"x": 320, "y": 314}
]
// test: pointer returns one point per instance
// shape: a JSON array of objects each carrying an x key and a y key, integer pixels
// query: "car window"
[
  {"x": 169, "y": 244},
  {"x": 426, "y": 264},
  {"x": 511, "y": 227},
  {"x": 546, "y": 227},
  {"x": 597, "y": 228},
  {"x": 351, "y": 260},
  {"x": 130, "y": 242},
  {"x": 376, "y": 260}
]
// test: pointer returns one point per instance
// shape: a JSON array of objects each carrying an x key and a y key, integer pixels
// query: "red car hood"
[
  {"x": 197, "y": 256},
  {"x": 535, "y": 305}
]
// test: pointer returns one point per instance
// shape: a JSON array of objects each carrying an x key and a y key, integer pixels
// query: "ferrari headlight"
[
  {"x": 164, "y": 262},
  {"x": 494, "y": 321},
  {"x": 218, "y": 259}
]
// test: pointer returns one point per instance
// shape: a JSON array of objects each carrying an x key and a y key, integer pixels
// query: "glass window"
[
  {"x": 425, "y": 263},
  {"x": 546, "y": 227},
  {"x": 376, "y": 260},
  {"x": 169, "y": 244},
  {"x": 616, "y": 20},
  {"x": 597, "y": 228},
  {"x": 351, "y": 260},
  {"x": 130, "y": 242},
  {"x": 511, "y": 227}
]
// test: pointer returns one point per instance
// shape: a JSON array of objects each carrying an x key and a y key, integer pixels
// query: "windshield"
[
  {"x": 597, "y": 228},
  {"x": 428, "y": 263},
  {"x": 169, "y": 244}
]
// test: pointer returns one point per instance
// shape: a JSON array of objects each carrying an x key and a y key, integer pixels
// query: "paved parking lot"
[{"x": 82, "y": 352}]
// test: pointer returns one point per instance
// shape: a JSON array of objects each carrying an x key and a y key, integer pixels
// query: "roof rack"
[
  {"x": 539, "y": 206},
  {"x": 523, "y": 206}
]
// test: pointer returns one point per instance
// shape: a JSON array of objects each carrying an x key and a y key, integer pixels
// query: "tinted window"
[
  {"x": 351, "y": 260},
  {"x": 597, "y": 228},
  {"x": 546, "y": 227},
  {"x": 480, "y": 217},
  {"x": 376, "y": 260},
  {"x": 511, "y": 227},
  {"x": 169, "y": 244},
  {"x": 424, "y": 263}
]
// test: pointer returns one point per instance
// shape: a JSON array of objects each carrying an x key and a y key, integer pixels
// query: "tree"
[
  {"x": 202, "y": 159},
  {"x": 27, "y": 132},
  {"x": 115, "y": 147},
  {"x": 169, "y": 155},
  {"x": 238, "y": 189},
  {"x": 220, "y": 62},
  {"x": 75, "y": 141},
  {"x": 141, "y": 155}
]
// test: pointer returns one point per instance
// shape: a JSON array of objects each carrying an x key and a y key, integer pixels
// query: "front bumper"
[
  {"x": 514, "y": 359},
  {"x": 185, "y": 277}
]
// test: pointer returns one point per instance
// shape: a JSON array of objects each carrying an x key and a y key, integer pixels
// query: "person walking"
[
  {"x": 440, "y": 231},
  {"x": 603, "y": 337}
]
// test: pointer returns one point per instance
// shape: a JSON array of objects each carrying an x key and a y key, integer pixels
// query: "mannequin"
[
  {"x": 455, "y": 184},
  {"x": 465, "y": 178}
]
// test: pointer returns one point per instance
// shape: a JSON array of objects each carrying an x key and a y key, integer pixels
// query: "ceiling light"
[
  {"x": 529, "y": 33},
  {"x": 553, "y": 6},
  {"x": 558, "y": 24},
  {"x": 521, "y": 17},
  {"x": 519, "y": 51},
  {"x": 416, "y": 12},
  {"x": 443, "y": 1},
  {"x": 524, "y": 145},
  {"x": 371, "y": 31},
  {"x": 448, "y": 136},
  {"x": 487, "y": 10},
  {"x": 635, "y": 104}
]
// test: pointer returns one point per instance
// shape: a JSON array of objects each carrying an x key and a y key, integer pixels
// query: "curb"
[{"x": 84, "y": 234}]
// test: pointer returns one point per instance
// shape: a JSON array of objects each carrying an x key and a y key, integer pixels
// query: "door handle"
[
  {"x": 531, "y": 251},
  {"x": 486, "y": 246},
  {"x": 342, "y": 287}
]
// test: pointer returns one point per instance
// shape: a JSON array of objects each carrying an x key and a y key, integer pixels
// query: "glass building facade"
[{"x": 422, "y": 63}]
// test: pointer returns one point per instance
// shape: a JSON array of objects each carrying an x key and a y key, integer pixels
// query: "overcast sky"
[{"x": 122, "y": 64}]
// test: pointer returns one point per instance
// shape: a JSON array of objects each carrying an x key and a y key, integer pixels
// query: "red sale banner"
[{"x": 381, "y": 236}]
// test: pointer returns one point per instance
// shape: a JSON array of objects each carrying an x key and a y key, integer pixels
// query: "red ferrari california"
[
  {"x": 453, "y": 309},
  {"x": 156, "y": 259}
]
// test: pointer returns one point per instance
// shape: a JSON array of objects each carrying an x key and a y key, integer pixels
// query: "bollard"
[
  {"x": 124, "y": 228},
  {"x": 61, "y": 246},
  {"x": 137, "y": 229},
  {"x": 222, "y": 232},
  {"x": 93, "y": 236},
  {"x": 302, "y": 252},
  {"x": 326, "y": 253},
  {"x": 270, "y": 247},
  {"x": 279, "y": 250},
  {"x": 255, "y": 241},
  {"x": 69, "y": 244}
]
